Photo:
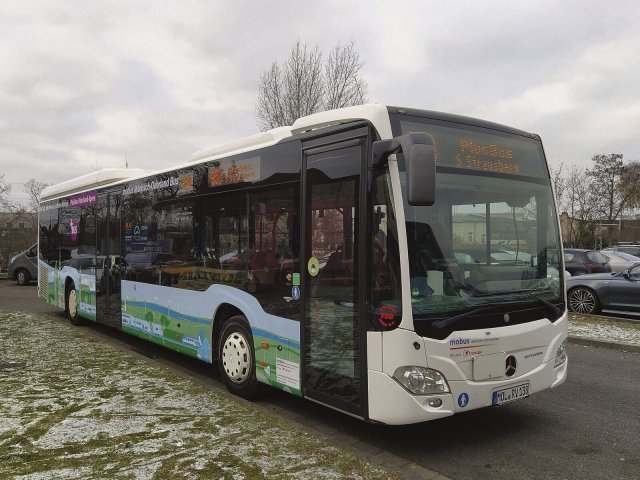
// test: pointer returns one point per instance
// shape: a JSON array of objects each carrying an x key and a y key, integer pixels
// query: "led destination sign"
[
  {"x": 482, "y": 149},
  {"x": 491, "y": 157},
  {"x": 227, "y": 172}
]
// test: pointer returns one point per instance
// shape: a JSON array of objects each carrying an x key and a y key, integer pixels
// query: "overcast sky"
[{"x": 82, "y": 84}]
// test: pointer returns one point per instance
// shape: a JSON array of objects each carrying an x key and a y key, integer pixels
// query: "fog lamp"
[
  {"x": 421, "y": 380},
  {"x": 561, "y": 354},
  {"x": 435, "y": 402}
]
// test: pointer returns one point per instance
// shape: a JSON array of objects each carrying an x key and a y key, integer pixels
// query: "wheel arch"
[
  {"x": 222, "y": 314},
  {"x": 69, "y": 283}
]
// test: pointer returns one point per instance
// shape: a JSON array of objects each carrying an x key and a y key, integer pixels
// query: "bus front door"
[{"x": 333, "y": 350}]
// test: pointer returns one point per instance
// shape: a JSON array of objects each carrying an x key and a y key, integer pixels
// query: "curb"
[
  {"x": 613, "y": 317},
  {"x": 591, "y": 342}
]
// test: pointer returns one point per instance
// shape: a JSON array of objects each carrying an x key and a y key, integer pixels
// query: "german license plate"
[{"x": 510, "y": 394}]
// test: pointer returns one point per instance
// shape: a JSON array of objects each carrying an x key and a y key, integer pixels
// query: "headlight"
[
  {"x": 13, "y": 259},
  {"x": 561, "y": 354},
  {"x": 421, "y": 381}
]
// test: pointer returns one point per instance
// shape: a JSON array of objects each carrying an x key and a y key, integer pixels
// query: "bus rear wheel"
[
  {"x": 71, "y": 304},
  {"x": 236, "y": 358}
]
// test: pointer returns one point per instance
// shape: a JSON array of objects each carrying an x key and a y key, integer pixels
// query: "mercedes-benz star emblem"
[{"x": 511, "y": 365}]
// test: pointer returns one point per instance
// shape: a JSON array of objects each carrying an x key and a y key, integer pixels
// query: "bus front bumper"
[{"x": 392, "y": 404}]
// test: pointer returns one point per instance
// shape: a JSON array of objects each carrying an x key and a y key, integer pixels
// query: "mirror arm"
[
  {"x": 419, "y": 155},
  {"x": 382, "y": 149}
]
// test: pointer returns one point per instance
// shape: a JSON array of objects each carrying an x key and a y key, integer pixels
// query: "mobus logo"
[{"x": 459, "y": 341}]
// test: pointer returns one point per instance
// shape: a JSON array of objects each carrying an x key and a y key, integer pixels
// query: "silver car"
[
  {"x": 24, "y": 267},
  {"x": 619, "y": 261},
  {"x": 605, "y": 291}
]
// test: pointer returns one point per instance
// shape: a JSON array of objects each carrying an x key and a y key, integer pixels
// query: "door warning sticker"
[{"x": 313, "y": 266}]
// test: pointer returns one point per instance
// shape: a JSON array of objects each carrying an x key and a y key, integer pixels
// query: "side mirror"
[
  {"x": 420, "y": 163},
  {"x": 626, "y": 274}
]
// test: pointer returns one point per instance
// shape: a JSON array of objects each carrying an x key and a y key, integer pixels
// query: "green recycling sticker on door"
[{"x": 313, "y": 266}]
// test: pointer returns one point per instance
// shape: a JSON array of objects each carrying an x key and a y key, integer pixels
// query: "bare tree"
[
  {"x": 5, "y": 189},
  {"x": 596, "y": 197},
  {"x": 630, "y": 184},
  {"x": 303, "y": 81},
  {"x": 580, "y": 207},
  {"x": 613, "y": 185},
  {"x": 34, "y": 188},
  {"x": 558, "y": 181},
  {"x": 306, "y": 84},
  {"x": 270, "y": 108},
  {"x": 344, "y": 86}
]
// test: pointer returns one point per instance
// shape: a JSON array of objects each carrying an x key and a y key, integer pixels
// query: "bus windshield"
[{"x": 486, "y": 254}]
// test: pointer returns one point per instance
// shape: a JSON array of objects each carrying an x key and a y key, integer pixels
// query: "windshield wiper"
[
  {"x": 528, "y": 293},
  {"x": 456, "y": 318},
  {"x": 553, "y": 308},
  {"x": 445, "y": 322},
  {"x": 503, "y": 292}
]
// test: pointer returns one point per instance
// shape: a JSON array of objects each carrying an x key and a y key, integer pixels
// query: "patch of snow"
[
  {"x": 82, "y": 401},
  {"x": 604, "y": 332}
]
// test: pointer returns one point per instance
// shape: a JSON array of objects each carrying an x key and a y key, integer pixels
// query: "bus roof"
[
  {"x": 455, "y": 118},
  {"x": 91, "y": 180},
  {"x": 375, "y": 113}
]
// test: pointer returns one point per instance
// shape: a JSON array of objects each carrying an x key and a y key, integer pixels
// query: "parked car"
[
  {"x": 146, "y": 266},
  {"x": 581, "y": 262},
  {"x": 479, "y": 255},
  {"x": 24, "y": 267},
  {"x": 605, "y": 291},
  {"x": 619, "y": 261},
  {"x": 631, "y": 249}
]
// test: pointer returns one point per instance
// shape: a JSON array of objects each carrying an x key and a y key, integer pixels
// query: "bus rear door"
[{"x": 109, "y": 263}]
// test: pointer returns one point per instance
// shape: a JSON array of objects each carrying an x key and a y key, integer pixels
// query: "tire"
[
  {"x": 583, "y": 300},
  {"x": 236, "y": 358},
  {"x": 23, "y": 278},
  {"x": 71, "y": 305}
]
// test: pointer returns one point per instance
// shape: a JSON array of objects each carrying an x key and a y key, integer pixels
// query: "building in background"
[
  {"x": 18, "y": 231},
  {"x": 599, "y": 233}
]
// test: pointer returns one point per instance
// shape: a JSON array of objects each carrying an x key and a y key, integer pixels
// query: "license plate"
[{"x": 510, "y": 394}]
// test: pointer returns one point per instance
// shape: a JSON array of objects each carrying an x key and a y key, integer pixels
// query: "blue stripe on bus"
[
  {"x": 271, "y": 336},
  {"x": 181, "y": 316},
  {"x": 172, "y": 313}
]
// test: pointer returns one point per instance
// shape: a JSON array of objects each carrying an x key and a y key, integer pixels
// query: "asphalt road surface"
[{"x": 589, "y": 428}]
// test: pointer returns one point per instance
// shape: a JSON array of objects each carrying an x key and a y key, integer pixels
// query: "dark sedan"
[
  {"x": 605, "y": 291},
  {"x": 580, "y": 262}
]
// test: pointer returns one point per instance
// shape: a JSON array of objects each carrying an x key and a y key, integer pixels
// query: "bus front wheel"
[{"x": 236, "y": 358}]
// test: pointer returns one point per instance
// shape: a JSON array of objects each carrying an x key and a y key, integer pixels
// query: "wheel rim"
[
  {"x": 582, "y": 301},
  {"x": 21, "y": 277},
  {"x": 236, "y": 357},
  {"x": 73, "y": 303}
]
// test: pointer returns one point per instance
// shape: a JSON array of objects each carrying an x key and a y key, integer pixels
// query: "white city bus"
[{"x": 397, "y": 265}]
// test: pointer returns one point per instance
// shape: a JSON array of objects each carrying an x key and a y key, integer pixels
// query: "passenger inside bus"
[
  {"x": 429, "y": 268},
  {"x": 380, "y": 264}
]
